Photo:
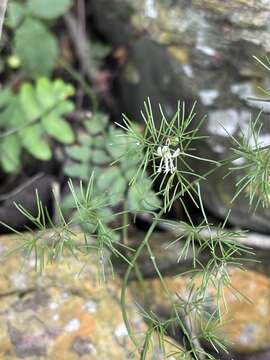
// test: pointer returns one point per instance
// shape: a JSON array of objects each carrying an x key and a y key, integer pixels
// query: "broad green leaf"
[
  {"x": 61, "y": 90},
  {"x": 49, "y": 9},
  {"x": 85, "y": 139},
  {"x": 99, "y": 157},
  {"x": 111, "y": 181},
  {"x": 37, "y": 110},
  {"x": 5, "y": 97},
  {"x": 97, "y": 123},
  {"x": 12, "y": 116},
  {"x": 151, "y": 201},
  {"x": 98, "y": 170},
  {"x": 134, "y": 199},
  {"x": 51, "y": 93},
  {"x": 10, "y": 151},
  {"x": 142, "y": 197},
  {"x": 58, "y": 128},
  {"x": 98, "y": 141},
  {"x": 105, "y": 214},
  {"x": 80, "y": 153},
  {"x": 116, "y": 143},
  {"x": 131, "y": 160},
  {"x": 29, "y": 102},
  {"x": 78, "y": 171},
  {"x": 130, "y": 173},
  {"x": 117, "y": 191},
  {"x": 108, "y": 177},
  {"x": 33, "y": 142},
  {"x": 44, "y": 92},
  {"x": 85, "y": 224},
  {"x": 15, "y": 14},
  {"x": 37, "y": 47},
  {"x": 63, "y": 107}
]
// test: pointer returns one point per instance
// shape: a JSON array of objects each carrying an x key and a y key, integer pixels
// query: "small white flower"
[{"x": 167, "y": 158}]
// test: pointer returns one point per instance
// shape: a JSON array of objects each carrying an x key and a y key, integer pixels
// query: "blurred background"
[{"x": 68, "y": 70}]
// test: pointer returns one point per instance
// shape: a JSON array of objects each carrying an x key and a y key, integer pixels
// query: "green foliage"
[
  {"x": 168, "y": 150},
  {"x": 10, "y": 153},
  {"x": 50, "y": 247},
  {"x": 16, "y": 13},
  {"x": 254, "y": 167},
  {"x": 45, "y": 247},
  {"x": 35, "y": 46},
  {"x": 49, "y": 9},
  {"x": 112, "y": 157},
  {"x": 30, "y": 117}
]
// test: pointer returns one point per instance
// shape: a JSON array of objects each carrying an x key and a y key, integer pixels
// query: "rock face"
[
  {"x": 62, "y": 316},
  {"x": 58, "y": 315},
  {"x": 246, "y": 323},
  {"x": 196, "y": 50}
]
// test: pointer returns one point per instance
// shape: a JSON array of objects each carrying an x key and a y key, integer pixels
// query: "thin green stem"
[
  {"x": 125, "y": 241},
  {"x": 192, "y": 342},
  {"x": 125, "y": 226},
  {"x": 127, "y": 275}
]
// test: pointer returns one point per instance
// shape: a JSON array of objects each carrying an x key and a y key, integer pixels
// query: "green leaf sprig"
[{"x": 31, "y": 117}]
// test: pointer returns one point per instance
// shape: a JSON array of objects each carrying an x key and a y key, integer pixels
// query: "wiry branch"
[{"x": 252, "y": 239}]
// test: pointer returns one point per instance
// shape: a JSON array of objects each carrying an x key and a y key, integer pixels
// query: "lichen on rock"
[{"x": 60, "y": 315}]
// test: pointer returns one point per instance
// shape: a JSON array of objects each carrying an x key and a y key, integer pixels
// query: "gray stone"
[{"x": 196, "y": 50}]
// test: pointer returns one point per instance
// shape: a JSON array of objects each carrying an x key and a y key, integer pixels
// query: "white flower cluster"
[{"x": 168, "y": 157}]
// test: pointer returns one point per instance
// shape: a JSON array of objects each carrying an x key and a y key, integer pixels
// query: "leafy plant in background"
[
  {"x": 28, "y": 119},
  {"x": 30, "y": 21},
  {"x": 25, "y": 120},
  {"x": 112, "y": 157},
  {"x": 32, "y": 114}
]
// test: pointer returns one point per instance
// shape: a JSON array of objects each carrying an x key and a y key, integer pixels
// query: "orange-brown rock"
[
  {"x": 58, "y": 315},
  {"x": 247, "y": 319}
]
